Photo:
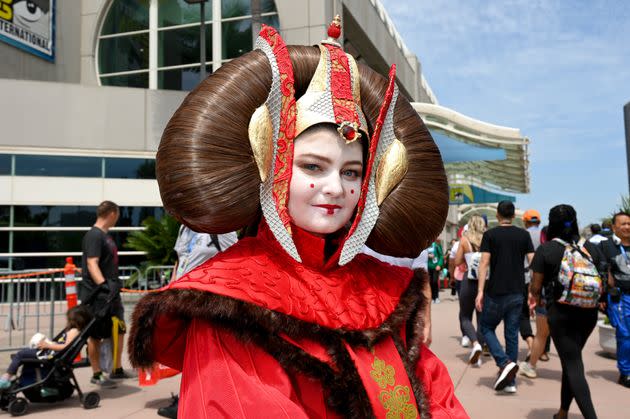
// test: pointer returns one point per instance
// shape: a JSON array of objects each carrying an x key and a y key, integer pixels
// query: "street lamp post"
[{"x": 202, "y": 36}]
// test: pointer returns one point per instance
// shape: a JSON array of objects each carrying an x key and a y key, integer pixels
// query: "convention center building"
[{"x": 89, "y": 85}]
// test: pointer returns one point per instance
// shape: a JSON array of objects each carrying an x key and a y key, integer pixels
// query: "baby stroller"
[{"x": 51, "y": 380}]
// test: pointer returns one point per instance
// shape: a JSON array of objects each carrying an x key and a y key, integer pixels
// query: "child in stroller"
[{"x": 46, "y": 374}]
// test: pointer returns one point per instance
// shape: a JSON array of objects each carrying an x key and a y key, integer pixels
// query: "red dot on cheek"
[
  {"x": 312, "y": 185},
  {"x": 352, "y": 191}
]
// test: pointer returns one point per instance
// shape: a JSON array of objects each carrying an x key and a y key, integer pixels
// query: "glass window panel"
[
  {"x": 18, "y": 263},
  {"x": 127, "y": 16},
  {"x": 181, "y": 46},
  {"x": 123, "y": 53},
  {"x": 140, "y": 80},
  {"x": 180, "y": 79},
  {"x": 5, "y": 164},
  {"x": 47, "y": 241},
  {"x": 178, "y": 12},
  {"x": 268, "y": 6},
  {"x": 234, "y": 8},
  {"x": 237, "y": 38},
  {"x": 122, "y": 168},
  {"x": 5, "y": 214},
  {"x": 4, "y": 242},
  {"x": 133, "y": 216},
  {"x": 271, "y": 21},
  {"x": 54, "y": 216},
  {"x": 72, "y": 166}
]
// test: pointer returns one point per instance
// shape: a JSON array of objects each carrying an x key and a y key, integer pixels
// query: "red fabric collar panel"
[{"x": 358, "y": 296}]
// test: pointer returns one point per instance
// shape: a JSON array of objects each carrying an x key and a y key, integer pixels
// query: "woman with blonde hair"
[{"x": 468, "y": 252}]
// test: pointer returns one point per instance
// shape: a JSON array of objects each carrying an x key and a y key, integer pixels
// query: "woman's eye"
[
  {"x": 352, "y": 174},
  {"x": 311, "y": 167}
]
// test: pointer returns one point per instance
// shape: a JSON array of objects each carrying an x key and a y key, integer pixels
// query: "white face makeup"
[{"x": 326, "y": 180}]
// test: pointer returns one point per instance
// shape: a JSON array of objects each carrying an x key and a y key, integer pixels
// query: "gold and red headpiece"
[{"x": 332, "y": 97}]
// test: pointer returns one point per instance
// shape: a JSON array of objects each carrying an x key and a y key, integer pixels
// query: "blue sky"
[{"x": 557, "y": 70}]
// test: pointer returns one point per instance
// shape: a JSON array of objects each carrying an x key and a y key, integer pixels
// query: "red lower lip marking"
[{"x": 331, "y": 211}]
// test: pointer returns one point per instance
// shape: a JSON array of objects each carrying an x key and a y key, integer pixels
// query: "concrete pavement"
[{"x": 537, "y": 398}]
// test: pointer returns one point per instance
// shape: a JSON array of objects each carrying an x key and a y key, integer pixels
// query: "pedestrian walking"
[
  {"x": 617, "y": 252},
  {"x": 596, "y": 236},
  {"x": 436, "y": 262},
  {"x": 500, "y": 298},
  {"x": 569, "y": 274},
  {"x": 531, "y": 220},
  {"x": 100, "y": 281},
  {"x": 469, "y": 254}
]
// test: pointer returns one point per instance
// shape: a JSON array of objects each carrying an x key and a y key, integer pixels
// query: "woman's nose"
[{"x": 332, "y": 185}]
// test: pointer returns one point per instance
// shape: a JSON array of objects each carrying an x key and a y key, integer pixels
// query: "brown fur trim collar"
[{"x": 252, "y": 323}]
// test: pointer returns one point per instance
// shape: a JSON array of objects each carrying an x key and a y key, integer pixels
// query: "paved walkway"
[{"x": 535, "y": 399}]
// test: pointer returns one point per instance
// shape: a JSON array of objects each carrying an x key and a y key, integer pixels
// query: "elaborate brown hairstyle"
[{"x": 209, "y": 179}]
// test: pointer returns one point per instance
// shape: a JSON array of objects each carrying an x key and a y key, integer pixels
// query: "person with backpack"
[
  {"x": 468, "y": 253},
  {"x": 573, "y": 289},
  {"x": 616, "y": 250},
  {"x": 193, "y": 249}
]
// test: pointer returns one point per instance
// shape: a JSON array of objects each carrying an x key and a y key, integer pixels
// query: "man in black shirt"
[
  {"x": 503, "y": 249},
  {"x": 617, "y": 253},
  {"x": 100, "y": 279}
]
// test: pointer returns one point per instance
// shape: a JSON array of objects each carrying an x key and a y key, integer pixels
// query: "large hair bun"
[{"x": 208, "y": 176}]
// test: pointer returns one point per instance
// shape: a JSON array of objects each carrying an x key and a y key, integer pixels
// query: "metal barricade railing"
[
  {"x": 30, "y": 302},
  {"x": 35, "y": 301},
  {"x": 157, "y": 276}
]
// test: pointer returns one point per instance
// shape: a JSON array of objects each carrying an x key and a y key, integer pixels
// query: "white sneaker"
[
  {"x": 475, "y": 354},
  {"x": 510, "y": 389},
  {"x": 465, "y": 341},
  {"x": 505, "y": 376},
  {"x": 527, "y": 370},
  {"x": 478, "y": 364},
  {"x": 436, "y": 301}
]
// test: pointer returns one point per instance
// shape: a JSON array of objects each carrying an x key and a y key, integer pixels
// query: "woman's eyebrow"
[
  {"x": 314, "y": 156},
  {"x": 357, "y": 162}
]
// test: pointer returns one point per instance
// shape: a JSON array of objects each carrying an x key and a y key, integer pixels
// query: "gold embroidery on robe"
[
  {"x": 394, "y": 398},
  {"x": 396, "y": 402},
  {"x": 382, "y": 373}
]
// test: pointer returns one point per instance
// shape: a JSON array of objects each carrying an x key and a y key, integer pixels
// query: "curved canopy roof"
[{"x": 476, "y": 152}]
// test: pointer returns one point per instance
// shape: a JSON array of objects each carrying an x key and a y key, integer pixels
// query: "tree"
[
  {"x": 625, "y": 204},
  {"x": 157, "y": 241}
]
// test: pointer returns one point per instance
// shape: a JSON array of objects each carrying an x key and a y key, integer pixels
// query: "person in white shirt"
[{"x": 596, "y": 238}]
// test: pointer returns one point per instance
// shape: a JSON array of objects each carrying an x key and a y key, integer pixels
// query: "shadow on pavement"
[
  {"x": 606, "y": 355},
  {"x": 122, "y": 390},
  {"x": 157, "y": 403},
  {"x": 548, "y": 413},
  {"x": 608, "y": 375}
]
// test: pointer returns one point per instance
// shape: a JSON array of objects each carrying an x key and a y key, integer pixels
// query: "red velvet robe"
[{"x": 257, "y": 334}]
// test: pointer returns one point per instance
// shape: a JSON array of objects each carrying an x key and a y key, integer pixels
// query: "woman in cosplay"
[{"x": 314, "y": 156}]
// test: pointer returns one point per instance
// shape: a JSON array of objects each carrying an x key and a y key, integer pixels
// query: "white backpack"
[
  {"x": 580, "y": 282},
  {"x": 473, "y": 262}
]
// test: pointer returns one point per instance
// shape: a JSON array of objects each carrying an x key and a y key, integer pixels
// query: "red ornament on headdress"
[{"x": 334, "y": 30}]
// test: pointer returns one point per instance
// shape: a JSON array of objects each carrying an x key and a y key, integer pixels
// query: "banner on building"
[
  {"x": 470, "y": 194},
  {"x": 29, "y": 25}
]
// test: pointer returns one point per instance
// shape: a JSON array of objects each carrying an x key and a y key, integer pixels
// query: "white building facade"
[{"x": 85, "y": 126}]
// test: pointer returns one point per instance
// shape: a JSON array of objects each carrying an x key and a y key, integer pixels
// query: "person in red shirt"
[{"x": 313, "y": 156}]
